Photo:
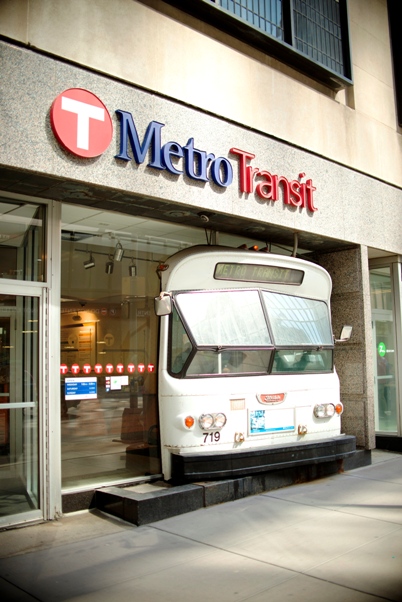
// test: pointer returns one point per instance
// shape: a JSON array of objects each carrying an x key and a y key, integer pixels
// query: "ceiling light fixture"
[
  {"x": 109, "y": 266},
  {"x": 118, "y": 252},
  {"x": 89, "y": 263}
]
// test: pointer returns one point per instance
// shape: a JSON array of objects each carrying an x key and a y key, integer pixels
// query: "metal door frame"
[
  {"x": 48, "y": 292},
  {"x": 395, "y": 265},
  {"x": 25, "y": 289}
]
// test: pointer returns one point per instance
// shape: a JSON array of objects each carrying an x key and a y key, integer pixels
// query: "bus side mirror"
[
  {"x": 163, "y": 304},
  {"x": 346, "y": 333}
]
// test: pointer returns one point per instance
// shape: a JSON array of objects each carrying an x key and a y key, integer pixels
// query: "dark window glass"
[
  {"x": 315, "y": 27},
  {"x": 299, "y": 360},
  {"x": 310, "y": 35},
  {"x": 318, "y": 32},
  {"x": 247, "y": 361},
  {"x": 264, "y": 14}
]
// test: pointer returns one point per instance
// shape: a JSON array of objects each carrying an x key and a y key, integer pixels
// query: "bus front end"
[{"x": 247, "y": 382}]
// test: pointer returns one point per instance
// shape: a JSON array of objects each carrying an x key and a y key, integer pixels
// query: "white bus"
[{"x": 247, "y": 381}]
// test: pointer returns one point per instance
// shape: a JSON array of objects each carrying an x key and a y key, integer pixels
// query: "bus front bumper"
[{"x": 188, "y": 467}]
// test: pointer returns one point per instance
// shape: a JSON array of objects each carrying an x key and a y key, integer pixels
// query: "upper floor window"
[
  {"x": 394, "y": 9},
  {"x": 318, "y": 32},
  {"x": 264, "y": 14},
  {"x": 309, "y": 35}
]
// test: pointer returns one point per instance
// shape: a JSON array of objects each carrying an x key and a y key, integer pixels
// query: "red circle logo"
[{"x": 81, "y": 123}]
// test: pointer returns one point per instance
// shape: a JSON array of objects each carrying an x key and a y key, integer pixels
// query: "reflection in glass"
[
  {"x": 297, "y": 361},
  {"x": 298, "y": 321},
  {"x": 109, "y": 336},
  {"x": 250, "y": 361},
  {"x": 225, "y": 318}
]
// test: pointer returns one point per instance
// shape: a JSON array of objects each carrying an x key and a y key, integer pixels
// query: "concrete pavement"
[{"x": 334, "y": 539}]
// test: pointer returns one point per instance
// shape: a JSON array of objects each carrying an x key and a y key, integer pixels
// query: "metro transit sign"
[{"x": 82, "y": 125}]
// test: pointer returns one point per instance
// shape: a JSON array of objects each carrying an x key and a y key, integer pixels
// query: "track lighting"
[
  {"x": 132, "y": 270},
  {"x": 109, "y": 266},
  {"x": 118, "y": 252},
  {"x": 89, "y": 263}
]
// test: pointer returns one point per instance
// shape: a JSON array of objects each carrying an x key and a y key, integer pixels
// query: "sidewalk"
[{"x": 335, "y": 539}]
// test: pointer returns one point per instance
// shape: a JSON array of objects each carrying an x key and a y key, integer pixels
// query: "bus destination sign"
[{"x": 251, "y": 272}]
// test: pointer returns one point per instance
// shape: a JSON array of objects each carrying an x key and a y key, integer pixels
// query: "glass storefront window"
[
  {"x": 109, "y": 336},
  {"x": 109, "y": 341},
  {"x": 382, "y": 308},
  {"x": 22, "y": 240}
]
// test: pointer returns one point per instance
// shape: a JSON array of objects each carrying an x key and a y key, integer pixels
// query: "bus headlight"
[
  {"x": 206, "y": 421},
  {"x": 220, "y": 420},
  {"x": 327, "y": 410},
  {"x": 209, "y": 422}
]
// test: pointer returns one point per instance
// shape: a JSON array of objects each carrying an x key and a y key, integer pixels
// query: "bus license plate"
[{"x": 271, "y": 421}]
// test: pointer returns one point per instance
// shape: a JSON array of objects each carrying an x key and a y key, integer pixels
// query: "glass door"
[
  {"x": 19, "y": 406},
  {"x": 23, "y": 274},
  {"x": 385, "y": 352}
]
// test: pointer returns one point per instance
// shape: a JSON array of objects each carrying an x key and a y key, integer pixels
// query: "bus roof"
[{"x": 207, "y": 267}]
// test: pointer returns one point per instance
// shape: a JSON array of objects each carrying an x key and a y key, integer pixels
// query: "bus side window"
[
  {"x": 296, "y": 361},
  {"x": 180, "y": 344},
  {"x": 180, "y": 359}
]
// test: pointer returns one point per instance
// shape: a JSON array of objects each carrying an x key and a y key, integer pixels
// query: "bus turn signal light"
[{"x": 189, "y": 421}]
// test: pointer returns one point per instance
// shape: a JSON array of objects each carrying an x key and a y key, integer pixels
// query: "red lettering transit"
[{"x": 266, "y": 185}]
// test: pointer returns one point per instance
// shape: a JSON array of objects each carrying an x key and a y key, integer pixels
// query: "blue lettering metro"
[{"x": 196, "y": 162}]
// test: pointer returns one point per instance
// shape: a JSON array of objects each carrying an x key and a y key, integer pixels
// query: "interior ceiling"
[{"x": 77, "y": 193}]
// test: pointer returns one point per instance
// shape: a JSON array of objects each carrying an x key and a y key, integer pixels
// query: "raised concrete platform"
[{"x": 147, "y": 503}]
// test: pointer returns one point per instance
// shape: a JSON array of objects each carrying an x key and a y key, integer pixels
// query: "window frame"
[
  {"x": 396, "y": 50},
  {"x": 283, "y": 50}
]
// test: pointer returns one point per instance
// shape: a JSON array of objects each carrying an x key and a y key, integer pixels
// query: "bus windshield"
[
  {"x": 240, "y": 331},
  {"x": 225, "y": 318},
  {"x": 298, "y": 321}
]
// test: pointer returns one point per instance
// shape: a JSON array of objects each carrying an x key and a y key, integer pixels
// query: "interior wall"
[{"x": 353, "y": 359}]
